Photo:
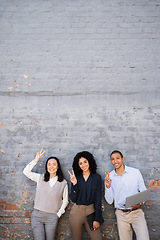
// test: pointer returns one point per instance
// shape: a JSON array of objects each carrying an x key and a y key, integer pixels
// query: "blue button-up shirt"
[{"x": 130, "y": 183}]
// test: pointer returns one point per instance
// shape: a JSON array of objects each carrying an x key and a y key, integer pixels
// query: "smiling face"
[
  {"x": 52, "y": 167},
  {"x": 117, "y": 161},
  {"x": 84, "y": 165}
]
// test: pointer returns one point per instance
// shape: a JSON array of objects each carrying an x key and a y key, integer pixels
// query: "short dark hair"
[
  {"x": 59, "y": 171},
  {"x": 89, "y": 157},
  {"x": 116, "y": 151}
]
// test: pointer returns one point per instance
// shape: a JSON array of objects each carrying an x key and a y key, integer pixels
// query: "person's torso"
[{"x": 49, "y": 199}]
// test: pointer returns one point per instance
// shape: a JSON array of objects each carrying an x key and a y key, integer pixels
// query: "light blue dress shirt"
[{"x": 131, "y": 182}]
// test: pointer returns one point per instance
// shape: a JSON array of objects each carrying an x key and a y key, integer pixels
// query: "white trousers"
[{"x": 128, "y": 220}]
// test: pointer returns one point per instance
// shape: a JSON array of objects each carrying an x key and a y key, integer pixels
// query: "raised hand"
[
  {"x": 39, "y": 155},
  {"x": 73, "y": 178},
  {"x": 107, "y": 180}
]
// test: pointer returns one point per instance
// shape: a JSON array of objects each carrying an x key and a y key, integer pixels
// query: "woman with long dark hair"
[
  {"x": 86, "y": 193},
  {"x": 51, "y": 197}
]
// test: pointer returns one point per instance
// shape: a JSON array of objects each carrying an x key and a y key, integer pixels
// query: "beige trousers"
[
  {"x": 128, "y": 220},
  {"x": 77, "y": 219}
]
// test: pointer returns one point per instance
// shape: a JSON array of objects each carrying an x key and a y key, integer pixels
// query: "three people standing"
[{"x": 86, "y": 194}]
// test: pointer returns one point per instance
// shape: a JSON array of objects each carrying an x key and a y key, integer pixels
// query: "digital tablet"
[{"x": 138, "y": 198}]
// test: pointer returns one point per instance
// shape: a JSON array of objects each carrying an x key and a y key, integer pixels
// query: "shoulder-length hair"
[
  {"x": 89, "y": 157},
  {"x": 59, "y": 171}
]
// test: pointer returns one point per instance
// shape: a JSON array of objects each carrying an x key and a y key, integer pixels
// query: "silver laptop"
[{"x": 138, "y": 198}]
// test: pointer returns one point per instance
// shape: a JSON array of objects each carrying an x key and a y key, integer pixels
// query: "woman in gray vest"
[{"x": 51, "y": 197}]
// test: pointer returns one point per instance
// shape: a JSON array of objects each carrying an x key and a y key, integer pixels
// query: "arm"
[
  {"x": 74, "y": 192},
  {"x": 65, "y": 202},
  {"x": 141, "y": 185},
  {"x": 141, "y": 188},
  {"x": 31, "y": 175},
  {"x": 74, "y": 186},
  {"x": 108, "y": 189},
  {"x": 98, "y": 203},
  {"x": 27, "y": 170},
  {"x": 108, "y": 195},
  {"x": 98, "y": 199}
]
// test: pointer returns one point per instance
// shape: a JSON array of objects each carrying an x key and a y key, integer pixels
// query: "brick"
[
  {"x": 77, "y": 76},
  {"x": 154, "y": 184}
]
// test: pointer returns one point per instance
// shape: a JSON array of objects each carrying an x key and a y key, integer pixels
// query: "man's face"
[{"x": 117, "y": 160}]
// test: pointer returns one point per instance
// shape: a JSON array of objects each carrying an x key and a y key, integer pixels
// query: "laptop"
[{"x": 138, "y": 198}]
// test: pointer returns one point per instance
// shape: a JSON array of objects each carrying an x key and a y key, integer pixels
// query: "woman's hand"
[
  {"x": 73, "y": 178},
  {"x": 95, "y": 225},
  {"x": 39, "y": 155},
  {"x": 107, "y": 180}
]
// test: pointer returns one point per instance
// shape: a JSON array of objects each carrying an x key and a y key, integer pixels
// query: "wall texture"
[{"x": 77, "y": 75}]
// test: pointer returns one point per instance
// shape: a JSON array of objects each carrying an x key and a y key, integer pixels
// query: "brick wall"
[{"x": 77, "y": 75}]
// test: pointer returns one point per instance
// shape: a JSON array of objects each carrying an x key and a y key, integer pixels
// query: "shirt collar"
[
  {"x": 53, "y": 179},
  {"x": 125, "y": 170}
]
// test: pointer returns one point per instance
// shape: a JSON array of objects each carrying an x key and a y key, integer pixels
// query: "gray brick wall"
[{"x": 77, "y": 75}]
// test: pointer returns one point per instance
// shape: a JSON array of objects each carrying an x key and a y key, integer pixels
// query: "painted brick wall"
[{"x": 77, "y": 75}]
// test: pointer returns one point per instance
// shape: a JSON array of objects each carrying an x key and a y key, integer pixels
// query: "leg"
[
  {"x": 93, "y": 234},
  {"x": 76, "y": 223},
  {"x": 51, "y": 225},
  {"x": 38, "y": 225},
  {"x": 124, "y": 227},
  {"x": 139, "y": 225}
]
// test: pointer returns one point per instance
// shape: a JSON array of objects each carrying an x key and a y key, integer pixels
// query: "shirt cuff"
[
  {"x": 59, "y": 214},
  {"x": 74, "y": 187}
]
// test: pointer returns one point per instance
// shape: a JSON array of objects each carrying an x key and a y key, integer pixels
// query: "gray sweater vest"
[{"x": 49, "y": 199}]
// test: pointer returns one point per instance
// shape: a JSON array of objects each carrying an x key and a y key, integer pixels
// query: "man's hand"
[
  {"x": 107, "y": 180},
  {"x": 137, "y": 206}
]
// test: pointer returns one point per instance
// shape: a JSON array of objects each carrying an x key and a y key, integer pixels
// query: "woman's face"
[
  {"x": 52, "y": 167},
  {"x": 84, "y": 164}
]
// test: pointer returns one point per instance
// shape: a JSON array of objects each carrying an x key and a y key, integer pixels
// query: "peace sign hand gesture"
[
  {"x": 73, "y": 178},
  {"x": 107, "y": 180},
  {"x": 39, "y": 155}
]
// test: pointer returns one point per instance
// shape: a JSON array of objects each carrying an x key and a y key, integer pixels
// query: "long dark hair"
[
  {"x": 59, "y": 171},
  {"x": 89, "y": 157}
]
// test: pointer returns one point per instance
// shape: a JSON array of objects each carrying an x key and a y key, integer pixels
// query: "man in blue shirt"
[{"x": 120, "y": 183}]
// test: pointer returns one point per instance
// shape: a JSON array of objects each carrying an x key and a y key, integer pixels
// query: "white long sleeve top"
[{"x": 35, "y": 177}]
